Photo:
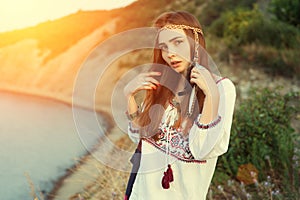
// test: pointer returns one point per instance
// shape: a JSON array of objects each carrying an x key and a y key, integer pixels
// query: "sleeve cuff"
[
  {"x": 133, "y": 129},
  {"x": 209, "y": 125}
]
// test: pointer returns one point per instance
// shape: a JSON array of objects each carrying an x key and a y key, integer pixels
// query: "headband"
[{"x": 182, "y": 26}]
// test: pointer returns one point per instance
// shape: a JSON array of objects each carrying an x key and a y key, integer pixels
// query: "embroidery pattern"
[
  {"x": 132, "y": 129},
  {"x": 209, "y": 125},
  {"x": 178, "y": 145},
  {"x": 218, "y": 81}
]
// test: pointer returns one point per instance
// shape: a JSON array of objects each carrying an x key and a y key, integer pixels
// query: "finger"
[
  {"x": 148, "y": 84},
  {"x": 195, "y": 75},
  {"x": 149, "y": 87},
  {"x": 193, "y": 80},
  {"x": 152, "y": 80},
  {"x": 153, "y": 73},
  {"x": 195, "y": 70}
]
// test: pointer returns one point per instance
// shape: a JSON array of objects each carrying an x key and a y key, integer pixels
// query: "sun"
[{"x": 27, "y": 13}]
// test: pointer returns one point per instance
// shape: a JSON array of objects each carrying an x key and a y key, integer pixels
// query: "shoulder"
[{"x": 226, "y": 85}]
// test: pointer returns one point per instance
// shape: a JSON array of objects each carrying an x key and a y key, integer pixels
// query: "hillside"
[{"x": 44, "y": 60}]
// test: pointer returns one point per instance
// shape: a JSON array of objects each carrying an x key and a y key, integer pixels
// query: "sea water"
[{"x": 38, "y": 143}]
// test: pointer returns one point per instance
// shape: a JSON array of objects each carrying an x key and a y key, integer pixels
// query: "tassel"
[
  {"x": 170, "y": 173},
  {"x": 165, "y": 181},
  {"x": 167, "y": 178}
]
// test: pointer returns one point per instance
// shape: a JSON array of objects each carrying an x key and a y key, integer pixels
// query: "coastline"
[
  {"x": 82, "y": 162},
  {"x": 85, "y": 175},
  {"x": 60, "y": 183},
  {"x": 64, "y": 99}
]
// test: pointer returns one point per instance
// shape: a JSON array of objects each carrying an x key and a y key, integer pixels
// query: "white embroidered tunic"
[{"x": 193, "y": 158}]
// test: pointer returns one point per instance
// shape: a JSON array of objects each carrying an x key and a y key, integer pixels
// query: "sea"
[{"x": 39, "y": 142}]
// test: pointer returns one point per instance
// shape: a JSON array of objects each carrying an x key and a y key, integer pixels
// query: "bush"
[
  {"x": 214, "y": 9},
  {"x": 262, "y": 138},
  {"x": 273, "y": 61},
  {"x": 287, "y": 11},
  {"x": 276, "y": 44},
  {"x": 244, "y": 26}
]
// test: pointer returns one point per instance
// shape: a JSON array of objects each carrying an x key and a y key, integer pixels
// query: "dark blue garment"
[{"x": 135, "y": 160}]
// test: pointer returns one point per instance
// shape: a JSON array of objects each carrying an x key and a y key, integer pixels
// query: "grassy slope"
[
  {"x": 59, "y": 35},
  {"x": 44, "y": 60}
]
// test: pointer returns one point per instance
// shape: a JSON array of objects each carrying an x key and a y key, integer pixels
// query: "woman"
[{"x": 183, "y": 124}]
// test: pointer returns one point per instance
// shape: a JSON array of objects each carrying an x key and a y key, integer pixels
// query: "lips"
[{"x": 175, "y": 63}]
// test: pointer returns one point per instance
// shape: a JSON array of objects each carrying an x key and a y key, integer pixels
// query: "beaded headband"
[{"x": 182, "y": 26}]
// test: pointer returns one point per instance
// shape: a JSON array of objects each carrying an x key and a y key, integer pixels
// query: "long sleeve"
[{"x": 212, "y": 141}]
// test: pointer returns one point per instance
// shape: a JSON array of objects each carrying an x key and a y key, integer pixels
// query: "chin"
[
  {"x": 182, "y": 70},
  {"x": 179, "y": 71}
]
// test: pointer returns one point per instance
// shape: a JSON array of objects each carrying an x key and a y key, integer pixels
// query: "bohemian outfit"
[{"x": 187, "y": 163}]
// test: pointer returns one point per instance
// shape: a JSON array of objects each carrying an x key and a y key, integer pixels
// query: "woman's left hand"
[{"x": 204, "y": 80}]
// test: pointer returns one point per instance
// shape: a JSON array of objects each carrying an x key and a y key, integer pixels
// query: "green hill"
[{"x": 59, "y": 35}]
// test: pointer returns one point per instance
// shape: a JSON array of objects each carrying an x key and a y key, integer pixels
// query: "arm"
[
  {"x": 207, "y": 142},
  {"x": 135, "y": 85}
]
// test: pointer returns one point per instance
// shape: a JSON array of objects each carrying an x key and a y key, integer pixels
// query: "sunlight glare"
[{"x": 31, "y": 12}]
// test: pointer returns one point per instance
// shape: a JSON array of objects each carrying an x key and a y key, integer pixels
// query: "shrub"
[
  {"x": 214, "y": 9},
  {"x": 273, "y": 61},
  {"x": 271, "y": 45},
  {"x": 287, "y": 11},
  {"x": 262, "y": 136},
  {"x": 243, "y": 26}
]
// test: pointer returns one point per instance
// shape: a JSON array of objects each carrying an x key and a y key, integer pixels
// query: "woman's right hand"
[{"x": 144, "y": 81}]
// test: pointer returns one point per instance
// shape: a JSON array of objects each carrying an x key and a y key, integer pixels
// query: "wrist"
[
  {"x": 211, "y": 93},
  {"x": 132, "y": 116}
]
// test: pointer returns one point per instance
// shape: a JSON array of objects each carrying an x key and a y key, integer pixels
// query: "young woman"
[{"x": 184, "y": 122}]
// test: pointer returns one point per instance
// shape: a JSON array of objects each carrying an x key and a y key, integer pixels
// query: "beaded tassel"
[
  {"x": 171, "y": 116},
  {"x": 167, "y": 178}
]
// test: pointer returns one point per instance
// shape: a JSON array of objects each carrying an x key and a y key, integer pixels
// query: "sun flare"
[{"x": 27, "y": 13}]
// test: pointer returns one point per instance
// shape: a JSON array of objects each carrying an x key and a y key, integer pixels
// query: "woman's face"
[{"x": 175, "y": 49}]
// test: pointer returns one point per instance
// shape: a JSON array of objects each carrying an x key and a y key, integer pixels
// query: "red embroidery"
[
  {"x": 132, "y": 129},
  {"x": 218, "y": 81},
  {"x": 207, "y": 126},
  {"x": 178, "y": 148}
]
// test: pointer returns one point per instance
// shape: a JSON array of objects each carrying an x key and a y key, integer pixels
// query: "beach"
[{"x": 91, "y": 176}]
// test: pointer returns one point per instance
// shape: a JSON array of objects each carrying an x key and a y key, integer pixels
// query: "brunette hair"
[{"x": 149, "y": 122}]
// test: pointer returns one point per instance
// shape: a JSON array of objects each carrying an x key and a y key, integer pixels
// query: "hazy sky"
[{"x": 16, "y": 14}]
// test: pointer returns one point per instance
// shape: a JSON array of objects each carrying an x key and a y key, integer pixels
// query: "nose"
[{"x": 171, "y": 54}]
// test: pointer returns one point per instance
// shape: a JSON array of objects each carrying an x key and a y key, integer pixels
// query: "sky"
[{"x": 18, "y": 14}]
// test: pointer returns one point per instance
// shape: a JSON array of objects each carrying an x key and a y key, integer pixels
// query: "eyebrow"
[{"x": 175, "y": 38}]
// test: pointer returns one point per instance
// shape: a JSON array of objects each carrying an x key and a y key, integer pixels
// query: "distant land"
[{"x": 44, "y": 60}]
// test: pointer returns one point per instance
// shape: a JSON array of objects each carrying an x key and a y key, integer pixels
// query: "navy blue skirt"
[{"x": 135, "y": 160}]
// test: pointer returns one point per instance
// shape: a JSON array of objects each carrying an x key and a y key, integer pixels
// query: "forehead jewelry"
[{"x": 195, "y": 60}]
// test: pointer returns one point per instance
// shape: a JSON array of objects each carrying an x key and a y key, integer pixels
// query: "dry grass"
[{"x": 110, "y": 183}]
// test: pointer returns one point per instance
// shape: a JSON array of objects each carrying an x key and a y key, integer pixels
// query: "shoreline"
[
  {"x": 85, "y": 174},
  {"x": 59, "y": 183},
  {"x": 53, "y": 97},
  {"x": 80, "y": 161}
]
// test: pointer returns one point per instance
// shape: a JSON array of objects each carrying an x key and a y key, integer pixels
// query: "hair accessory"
[{"x": 182, "y": 26}]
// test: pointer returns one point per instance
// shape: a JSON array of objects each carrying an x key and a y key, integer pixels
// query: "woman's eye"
[
  {"x": 163, "y": 48},
  {"x": 177, "y": 42}
]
